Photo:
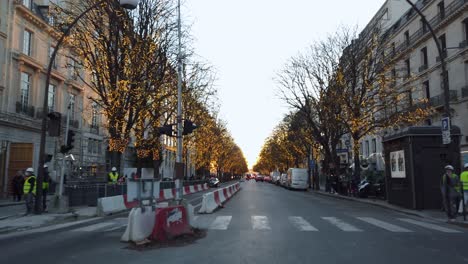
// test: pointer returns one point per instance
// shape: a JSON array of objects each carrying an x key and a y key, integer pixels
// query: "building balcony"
[
  {"x": 71, "y": 122},
  {"x": 94, "y": 129},
  {"x": 464, "y": 92},
  {"x": 444, "y": 55},
  {"x": 423, "y": 68},
  {"x": 437, "y": 101},
  {"x": 24, "y": 109}
]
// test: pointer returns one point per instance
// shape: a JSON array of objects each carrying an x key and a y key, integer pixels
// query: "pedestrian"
[
  {"x": 17, "y": 183},
  {"x": 29, "y": 189},
  {"x": 113, "y": 176},
  {"x": 45, "y": 187},
  {"x": 449, "y": 188},
  {"x": 464, "y": 183}
]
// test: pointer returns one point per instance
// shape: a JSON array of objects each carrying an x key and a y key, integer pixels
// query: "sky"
[{"x": 249, "y": 41}]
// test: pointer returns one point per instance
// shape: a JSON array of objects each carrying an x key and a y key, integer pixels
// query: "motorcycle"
[{"x": 364, "y": 188}]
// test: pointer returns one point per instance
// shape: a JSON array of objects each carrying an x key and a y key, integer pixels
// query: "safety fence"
[{"x": 80, "y": 194}]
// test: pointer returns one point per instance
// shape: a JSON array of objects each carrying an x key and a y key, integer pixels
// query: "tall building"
[{"x": 414, "y": 49}]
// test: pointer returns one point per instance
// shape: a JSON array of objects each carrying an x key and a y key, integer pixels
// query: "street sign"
[
  {"x": 446, "y": 131},
  {"x": 341, "y": 150}
]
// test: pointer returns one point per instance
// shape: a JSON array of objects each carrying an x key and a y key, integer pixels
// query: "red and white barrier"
[
  {"x": 119, "y": 203},
  {"x": 212, "y": 200}
]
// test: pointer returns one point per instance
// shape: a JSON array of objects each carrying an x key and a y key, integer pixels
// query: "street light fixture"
[{"x": 127, "y": 4}]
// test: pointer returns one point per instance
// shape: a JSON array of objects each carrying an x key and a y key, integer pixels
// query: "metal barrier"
[{"x": 81, "y": 193}]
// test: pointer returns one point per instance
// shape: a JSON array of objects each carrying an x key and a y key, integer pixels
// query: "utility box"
[{"x": 414, "y": 164}]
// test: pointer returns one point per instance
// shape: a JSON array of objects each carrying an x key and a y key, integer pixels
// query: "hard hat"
[
  {"x": 466, "y": 165},
  {"x": 31, "y": 170},
  {"x": 114, "y": 169},
  {"x": 45, "y": 166},
  {"x": 449, "y": 167}
]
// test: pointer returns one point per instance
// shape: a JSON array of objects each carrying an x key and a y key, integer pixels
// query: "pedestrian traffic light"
[
  {"x": 70, "y": 139},
  {"x": 189, "y": 126},
  {"x": 166, "y": 130}
]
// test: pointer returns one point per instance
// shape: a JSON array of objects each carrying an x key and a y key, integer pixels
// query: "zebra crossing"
[
  {"x": 301, "y": 224},
  {"x": 263, "y": 223}
]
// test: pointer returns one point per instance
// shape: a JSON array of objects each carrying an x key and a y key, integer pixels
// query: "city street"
[{"x": 263, "y": 223}]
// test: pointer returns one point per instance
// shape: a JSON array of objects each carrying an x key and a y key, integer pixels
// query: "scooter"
[{"x": 364, "y": 188}]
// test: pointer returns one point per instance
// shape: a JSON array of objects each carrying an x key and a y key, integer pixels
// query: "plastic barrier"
[
  {"x": 170, "y": 222},
  {"x": 212, "y": 200},
  {"x": 141, "y": 223},
  {"x": 109, "y": 205}
]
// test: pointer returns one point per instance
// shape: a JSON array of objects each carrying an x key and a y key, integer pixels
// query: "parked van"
[
  {"x": 297, "y": 179},
  {"x": 275, "y": 177}
]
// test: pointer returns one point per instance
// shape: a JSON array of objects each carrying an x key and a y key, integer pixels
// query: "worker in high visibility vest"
[
  {"x": 464, "y": 182},
  {"x": 113, "y": 176},
  {"x": 29, "y": 189}
]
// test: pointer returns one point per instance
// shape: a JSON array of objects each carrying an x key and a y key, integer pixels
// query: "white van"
[
  {"x": 275, "y": 177},
  {"x": 297, "y": 179}
]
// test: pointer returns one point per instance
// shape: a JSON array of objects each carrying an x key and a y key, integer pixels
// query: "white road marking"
[
  {"x": 301, "y": 223},
  {"x": 48, "y": 228},
  {"x": 341, "y": 225},
  {"x": 221, "y": 222},
  {"x": 195, "y": 218},
  {"x": 384, "y": 225},
  {"x": 115, "y": 228},
  {"x": 260, "y": 222},
  {"x": 93, "y": 227},
  {"x": 429, "y": 225}
]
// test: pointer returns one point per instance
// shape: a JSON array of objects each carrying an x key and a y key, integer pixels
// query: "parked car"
[
  {"x": 213, "y": 182},
  {"x": 283, "y": 179},
  {"x": 276, "y": 177},
  {"x": 267, "y": 179},
  {"x": 258, "y": 178},
  {"x": 297, "y": 179}
]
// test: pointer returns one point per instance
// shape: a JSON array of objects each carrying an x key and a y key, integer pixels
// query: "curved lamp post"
[{"x": 127, "y": 4}]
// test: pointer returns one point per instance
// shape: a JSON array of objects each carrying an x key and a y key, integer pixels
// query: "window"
[
  {"x": 465, "y": 29},
  {"x": 424, "y": 57},
  {"x": 443, "y": 44},
  {"x": 71, "y": 105},
  {"x": 423, "y": 25},
  {"x": 427, "y": 90},
  {"x": 408, "y": 68},
  {"x": 374, "y": 145},
  {"x": 54, "y": 63},
  {"x": 51, "y": 99},
  {"x": 94, "y": 116},
  {"x": 407, "y": 40},
  {"x": 27, "y": 37},
  {"x": 72, "y": 70},
  {"x": 24, "y": 90},
  {"x": 441, "y": 8},
  {"x": 28, "y": 3},
  {"x": 367, "y": 148}
]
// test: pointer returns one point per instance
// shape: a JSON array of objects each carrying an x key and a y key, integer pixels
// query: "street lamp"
[{"x": 127, "y": 4}]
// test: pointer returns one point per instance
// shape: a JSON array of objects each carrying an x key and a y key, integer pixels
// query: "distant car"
[
  {"x": 258, "y": 178},
  {"x": 284, "y": 179},
  {"x": 267, "y": 179},
  {"x": 213, "y": 182}
]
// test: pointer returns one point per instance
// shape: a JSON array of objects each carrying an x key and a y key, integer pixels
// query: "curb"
[
  {"x": 391, "y": 207},
  {"x": 11, "y": 204}
]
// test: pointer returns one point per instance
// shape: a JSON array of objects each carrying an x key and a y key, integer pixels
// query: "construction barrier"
[
  {"x": 141, "y": 223},
  {"x": 119, "y": 203},
  {"x": 170, "y": 222},
  {"x": 212, "y": 200}
]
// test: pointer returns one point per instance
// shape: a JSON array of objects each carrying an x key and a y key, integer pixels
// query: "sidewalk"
[
  {"x": 12, "y": 218},
  {"x": 433, "y": 215}
]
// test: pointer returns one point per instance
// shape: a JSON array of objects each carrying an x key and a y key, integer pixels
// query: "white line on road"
[
  {"x": 48, "y": 228},
  {"x": 301, "y": 223},
  {"x": 221, "y": 222},
  {"x": 115, "y": 228},
  {"x": 93, "y": 227},
  {"x": 260, "y": 222},
  {"x": 341, "y": 225},
  {"x": 384, "y": 225},
  {"x": 429, "y": 226},
  {"x": 197, "y": 205}
]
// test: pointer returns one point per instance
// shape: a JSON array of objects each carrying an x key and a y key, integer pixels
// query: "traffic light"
[
  {"x": 54, "y": 124},
  {"x": 189, "y": 126},
  {"x": 70, "y": 138},
  {"x": 166, "y": 130}
]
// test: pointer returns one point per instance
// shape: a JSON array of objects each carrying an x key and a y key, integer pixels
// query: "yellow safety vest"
[
  {"x": 113, "y": 177},
  {"x": 464, "y": 180},
  {"x": 27, "y": 185},
  {"x": 45, "y": 185}
]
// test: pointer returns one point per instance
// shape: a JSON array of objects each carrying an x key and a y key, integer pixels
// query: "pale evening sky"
[{"x": 248, "y": 42}]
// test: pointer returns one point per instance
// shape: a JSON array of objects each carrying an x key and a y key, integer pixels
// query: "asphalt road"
[{"x": 262, "y": 223}]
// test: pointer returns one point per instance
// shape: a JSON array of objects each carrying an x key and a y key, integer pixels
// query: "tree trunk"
[
  {"x": 115, "y": 159},
  {"x": 357, "y": 161},
  {"x": 156, "y": 165}
]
